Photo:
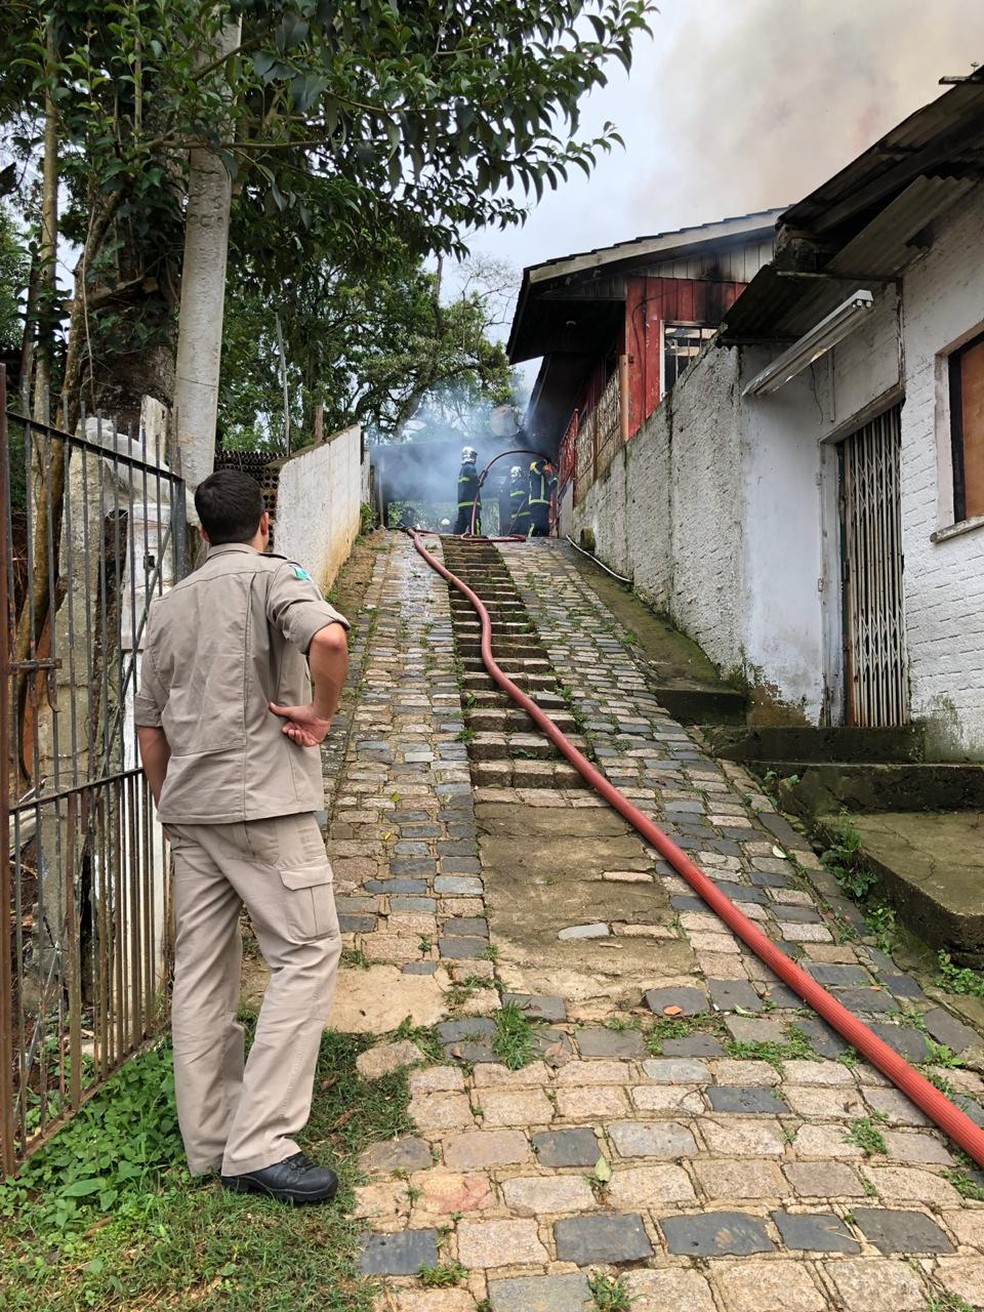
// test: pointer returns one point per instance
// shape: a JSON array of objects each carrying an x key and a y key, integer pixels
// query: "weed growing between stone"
[
  {"x": 794, "y": 1047},
  {"x": 424, "y": 1036},
  {"x": 609, "y": 1293},
  {"x": 442, "y": 1277},
  {"x": 843, "y": 859},
  {"x": 958, "y": 979},
  {"x": 107, "y": 1216},
  {"x": 948, "y": 1302},
  {"x": 864, "y": 1131},
  {"x": 966, "y": 1177},
  {"x": 513, "y": 1042}
]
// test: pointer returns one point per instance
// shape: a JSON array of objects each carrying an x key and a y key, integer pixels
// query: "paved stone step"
[
  {"x": 529, "y": 682},
  {"x": 471, "y": 624},
  {"x": 509, "y": 662},
  {"x": 525, "y": 774},
  {"x": 506, "y": 719},
  {"x": 494, "y": 590},
  {"x": 491, "y": 697},
  {"x": 516, "y": 746},
  {"x": 499, "y": 612},
  {"x": 513, "y": 648}
]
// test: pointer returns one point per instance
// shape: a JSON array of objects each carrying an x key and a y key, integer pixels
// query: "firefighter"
[
  {"x": 519, "y": 496},
  {"x": 541, "y": 486},
  {"x": 469, "y": 497}
]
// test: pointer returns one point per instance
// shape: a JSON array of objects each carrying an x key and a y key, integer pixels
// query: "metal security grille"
[
  {"x": 874, "y": 627},
  {"x": 90, "y": 528}
]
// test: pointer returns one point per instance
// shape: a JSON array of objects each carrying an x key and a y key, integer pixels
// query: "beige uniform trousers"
[{"x": 238, "y": 1117}]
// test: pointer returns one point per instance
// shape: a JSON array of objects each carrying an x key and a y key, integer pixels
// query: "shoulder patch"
[{"x": 302, "y": 574}]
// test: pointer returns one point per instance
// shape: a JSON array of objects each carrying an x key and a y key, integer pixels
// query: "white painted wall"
[
  {"x": 318, "y": 497},
  {"x": 781, "y": 602},
  {"x": 724, "y": 510},
  {"x": 707, "y": 510},
  {"x": 944, "y": 580},
  {"x": 696, "y": 511}
]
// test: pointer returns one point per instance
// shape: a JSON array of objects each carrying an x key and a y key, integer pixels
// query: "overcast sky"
[{"x": 741, "y": 105}]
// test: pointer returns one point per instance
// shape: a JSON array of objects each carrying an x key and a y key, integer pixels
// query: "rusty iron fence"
[{"x": 91, "y": 527}]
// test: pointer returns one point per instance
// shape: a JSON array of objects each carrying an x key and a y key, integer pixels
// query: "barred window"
[{"x": 682, "y": 343}]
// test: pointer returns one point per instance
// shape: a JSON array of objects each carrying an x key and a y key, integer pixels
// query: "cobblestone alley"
[{"x": 681, "y": 1124}]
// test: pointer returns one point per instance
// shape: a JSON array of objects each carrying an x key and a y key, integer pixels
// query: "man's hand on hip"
[{"x": 303, "y": 726}]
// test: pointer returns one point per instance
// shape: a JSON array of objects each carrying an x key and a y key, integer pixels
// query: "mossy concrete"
[
  {"x": 684, "y": 678},
  {"x": 810, "y": 789},
  {"x": 931, "y": 868},
  {"x": 543, "y": 869}
]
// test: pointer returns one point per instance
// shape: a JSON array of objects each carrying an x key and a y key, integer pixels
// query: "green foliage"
[
  {"x": 965, "y": 1183},
  {"x": 864, "y": 1131},
  {"x": 514, "y": 1042},
  {"x": 426, "y": 1038},
  {"x": 380, "y": 349},
  {"x": 344, "y": 128},
  {"x": 367, "y": 519},
  {"x": 115, "y": 1148},
  {"x": 609, "y": 1293},
  {"x": 164, "y": 1239},
  {"x": 882, "y": 923},
  {"x": 958, "y": 979},
  {"x": 13, "y": 281},
  {"x": 679, "y": 1027},
  {"x": 794, "y": 1047},
  {"x": 844, "y": 861},
  {"x": 443, "y": 1276},
  {"x": 949, "y": 1302},
  {"x": 941, "y": 1054}
]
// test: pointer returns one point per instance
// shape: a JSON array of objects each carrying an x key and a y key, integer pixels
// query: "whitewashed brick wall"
[{"x": 944, "y": 581}]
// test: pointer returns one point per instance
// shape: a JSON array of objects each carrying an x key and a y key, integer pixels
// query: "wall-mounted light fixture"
[{"x": 827, "y": 333}]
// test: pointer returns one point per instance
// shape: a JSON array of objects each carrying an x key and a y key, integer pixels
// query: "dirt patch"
[
  {"x": 676, "y": 660},
  {"x": 544, "y": 873},
  {"x": 349, "y": 589}
]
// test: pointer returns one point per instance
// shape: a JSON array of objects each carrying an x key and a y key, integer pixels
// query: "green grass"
[
  {"x": 794, "y": 1047},
  {"x": 844, "y": 861},
  {"x": 864, "y": 1131},
  {"x": 947, "y": 1302},
  {"x": 967, "y": 1180},
  {"x": 442, "y": 1277},
  {"x": 958, "y": 979},
  {"x": 106, "y": 1215},
  {"x": 609, "y": 1293},
  {"x": 681, "y": 1027},
  {"x": 513, "y": 1042}
]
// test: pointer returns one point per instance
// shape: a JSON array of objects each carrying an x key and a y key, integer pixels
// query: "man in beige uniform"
[{"x": 228, "y": 729}]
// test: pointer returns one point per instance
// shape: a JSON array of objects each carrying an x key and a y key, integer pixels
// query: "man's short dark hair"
[{"x": 230, "y": 506}]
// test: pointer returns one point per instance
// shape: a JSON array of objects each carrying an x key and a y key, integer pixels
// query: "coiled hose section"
[{"x": 956, "y": 1123}]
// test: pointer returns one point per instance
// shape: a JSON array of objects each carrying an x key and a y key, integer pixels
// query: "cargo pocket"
[{"x": 310, "y": 900}]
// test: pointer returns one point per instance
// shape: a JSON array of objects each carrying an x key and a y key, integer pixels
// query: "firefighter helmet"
[
  {"x": 516, "y": 471},
  {"x": 468, "y": 455}
]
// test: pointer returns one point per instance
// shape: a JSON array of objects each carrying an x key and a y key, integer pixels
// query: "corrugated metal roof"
[
  {"x": 863, "y": 224},
  {"x": 945, "y": 135},
  {"x": 740, "y": 228},
  {"x": 572, "y": 277},
  {"x": 883, "y": 247}
]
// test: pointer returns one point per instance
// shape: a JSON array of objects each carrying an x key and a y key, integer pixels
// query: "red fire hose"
[{"x": 956, "y": 1123}]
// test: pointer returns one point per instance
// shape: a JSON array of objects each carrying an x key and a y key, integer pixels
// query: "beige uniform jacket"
[{"x": 221, "y": 645}]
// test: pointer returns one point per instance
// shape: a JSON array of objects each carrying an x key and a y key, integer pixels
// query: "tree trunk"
[{"x": 196, "y": 387}]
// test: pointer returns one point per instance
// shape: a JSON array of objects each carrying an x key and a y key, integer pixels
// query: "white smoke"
[{"x": 757, "y": 102}]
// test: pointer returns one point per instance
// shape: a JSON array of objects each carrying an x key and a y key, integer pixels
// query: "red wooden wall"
[{"x": 651, "y": 302}]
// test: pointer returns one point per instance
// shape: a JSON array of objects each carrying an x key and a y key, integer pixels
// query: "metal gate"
[
  {"x": 89, "y": 528},
  {"x": 874, "y": 626}
]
